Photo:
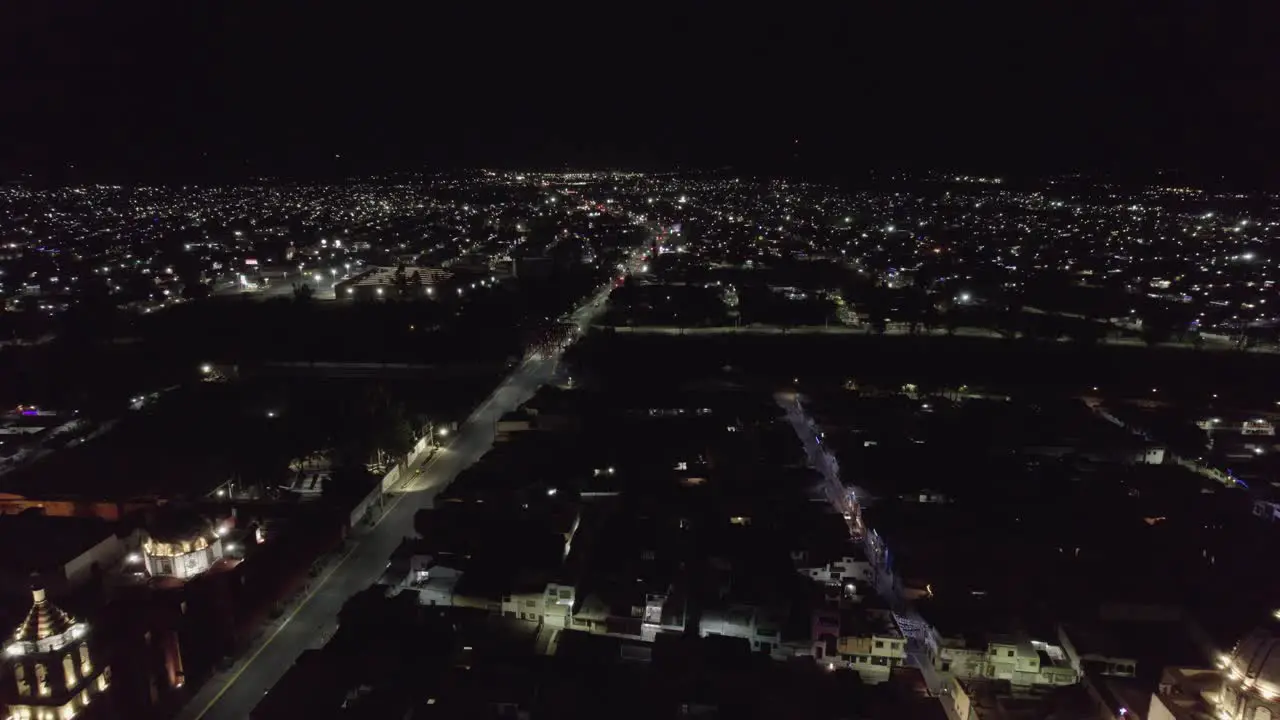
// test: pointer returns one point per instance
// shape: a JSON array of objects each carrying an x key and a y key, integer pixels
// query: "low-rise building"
[
  {"x": 385, "y": 283},
  {"x": 64, "y": 552},
  {"x": 870, "y": 643},
  {"x": 181, "y": 543}
]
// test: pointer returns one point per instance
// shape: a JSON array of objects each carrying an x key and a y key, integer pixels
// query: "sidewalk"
[{"x": 214, "y": 684}]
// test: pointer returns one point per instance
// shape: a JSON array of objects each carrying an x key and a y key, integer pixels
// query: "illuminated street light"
[{"x": 206, "y": 368}]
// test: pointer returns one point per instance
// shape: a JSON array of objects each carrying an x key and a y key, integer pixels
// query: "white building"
[
  {"x": 1251, "y": 682},
  {"x": 760, "y": 627},
  {"x": 182, "y": 545}
]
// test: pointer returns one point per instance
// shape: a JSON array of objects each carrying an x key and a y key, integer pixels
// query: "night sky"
[{"x": 191, "y": 90}]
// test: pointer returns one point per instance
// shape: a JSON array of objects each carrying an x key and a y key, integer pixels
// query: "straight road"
[
  {"x": 1213, "y": 343},
  {"x": 233, "y": 696},
  {"x": 909, "y": 621}
]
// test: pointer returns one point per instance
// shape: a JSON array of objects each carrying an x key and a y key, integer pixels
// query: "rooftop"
[
  {"x": 387, "y": 276},
  {"x": 31, "y": 542}
]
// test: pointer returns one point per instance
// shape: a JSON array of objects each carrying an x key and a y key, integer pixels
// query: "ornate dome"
[
  {"x": 46, "y": 628},
  {"x": 43, "y": 621},
  {"x": 1254, "y": 665}
]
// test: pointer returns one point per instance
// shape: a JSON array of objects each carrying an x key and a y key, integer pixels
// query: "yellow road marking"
[{"x": 232, "y": 681}]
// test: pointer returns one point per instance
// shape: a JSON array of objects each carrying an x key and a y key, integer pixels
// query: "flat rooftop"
[
  {"x": 386, "y": 276},
  {"x": 31, "y": 542}
]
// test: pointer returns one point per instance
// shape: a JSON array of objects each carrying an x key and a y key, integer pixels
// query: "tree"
[
  {"x": 878, "y": 312},
  {"x": 1157, "y": 326},
  {"x": 399, "y": 281},
  {"x": 347, "y": 480},
  {"x": 1087, "y": 332},
  {"x": 260, "y": 457},
  {"x": 195, "y": 291},
  {"x": 395, "y": 436},
  {"x": 1011, "y": 319},
  {"x": 930, "y": 317},
  {"x": 951, "y": 320},
  {"x": 303, "y": 293},
  {"x": 376, "y": 429},
  {"x": 915, "y": 306}
]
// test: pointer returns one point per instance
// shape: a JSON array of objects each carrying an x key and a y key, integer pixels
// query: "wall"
[
  {"x": 525, "y": 606},
  {"x": 371, "y": 500},
  {"x": 419, "y": 448},
  {"x": 962, "y": 662},
  {"x": 1205, "y": 470},
  {"x": 391, "y": 480},
  {"x": 1158, "y": 711},
  {"x": 961, "y": 705},
  {"x": 106, "y": 554}
]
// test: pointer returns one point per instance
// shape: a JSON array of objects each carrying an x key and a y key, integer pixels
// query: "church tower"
[{"x": 53, "y": 669}]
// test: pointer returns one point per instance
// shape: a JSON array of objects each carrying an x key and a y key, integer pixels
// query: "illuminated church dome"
[
  {"x": 1251, "y": 681},
  {"x": 181, "y": 543},
  {"x": 45, "y": 628},
  {"x": 54, "y": 670}
]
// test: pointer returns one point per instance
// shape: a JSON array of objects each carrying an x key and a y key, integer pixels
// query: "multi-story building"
[
  {"x": 1020, "y": 661},
  {"x": 871, "y": 643}
]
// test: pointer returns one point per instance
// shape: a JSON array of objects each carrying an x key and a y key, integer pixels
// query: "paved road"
[
  {"x": 232, "y": 697},
  {"x": 897, "y": 329},
  {"x": 281, "y": 287},
  {"x": 908, "y": 620}
]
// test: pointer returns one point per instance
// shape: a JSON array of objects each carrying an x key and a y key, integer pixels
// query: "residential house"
[{"x": 870, "y": 643}]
